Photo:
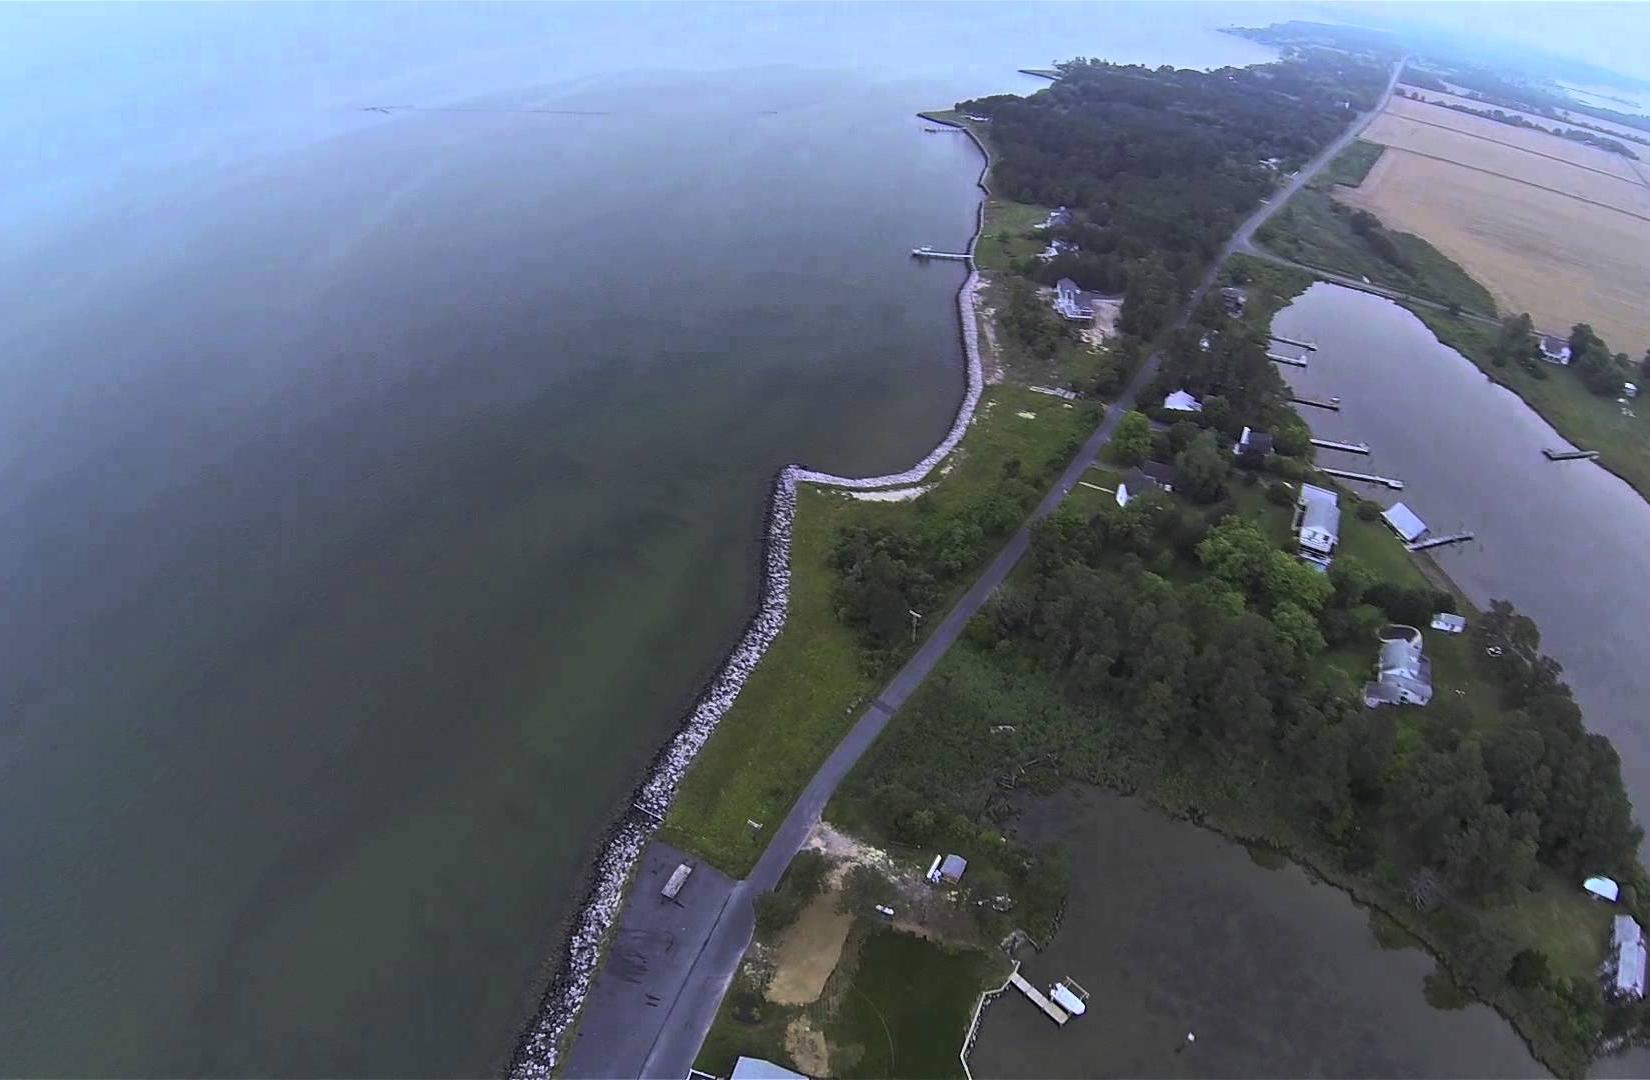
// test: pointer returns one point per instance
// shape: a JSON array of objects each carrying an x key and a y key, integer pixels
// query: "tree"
[
  {"x": 1528, "y": 970},
  {"x": 1133, "y": 440},
  {"x": 1296, "y": 626},
  {"x": 1201, "y": 469}
]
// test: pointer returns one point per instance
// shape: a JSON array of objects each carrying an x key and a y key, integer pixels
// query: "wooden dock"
[
  {"x": 1332, "y": 404},
  {"x": 930, "y": 253},
  {"x": 1349, "y": 447},
  {"x": 1313, "y": 345},
  {"x": 1439, "y": 541},
  {"x": 1569, "y": 455},
  {"x": 1053, "y": 1011},
  {"x": 1292, "y": 361},
  {"x": 1368, "y": 478}
]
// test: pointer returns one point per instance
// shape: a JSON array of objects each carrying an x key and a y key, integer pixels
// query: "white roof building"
[
  {"x": 1627, "y": 937},
  {"x": 1403, "y": 675},
  {"x": 1181, "y": 401},
  {"x": 1449, "y": 624},
  {"x": 1318, "y": 524},
  {"x": 1070, "y": 302},
  {"x": 1403, "y": 521},
  {"x": 758, "y": 1069},
  {"x": 1603, "y": 888}
]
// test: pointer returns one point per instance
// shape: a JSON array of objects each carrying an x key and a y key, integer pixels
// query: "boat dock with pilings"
[
  {"x": 926, "y": 252},
  {"x": 1292, "y": 361},
  {"x": 1332, "y": 404},
  {"x": 1439, "y": 541},
  {"x": 1569, "y": 455},
  {"x": 1038, "y": 998},
  {"x": 1368, "y": 478},
  {"x": 1310, "y": 345},
  {"x": 1349, "y": 447}
]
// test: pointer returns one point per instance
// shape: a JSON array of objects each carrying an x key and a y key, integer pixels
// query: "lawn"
[
  {"x": 1350, "y": 166},
  {"x": 907, "y": 1008},
  {"x": 1621, "y": 436},
  {"x": 1008, "y": 237},
  {"x": 1561, "y": 921},
  {"x": 809, "y": 688}
]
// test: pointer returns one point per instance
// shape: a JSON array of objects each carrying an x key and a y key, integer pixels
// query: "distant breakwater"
[{"x": 540, "y": 1046}]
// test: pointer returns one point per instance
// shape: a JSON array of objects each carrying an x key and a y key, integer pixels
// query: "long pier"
[
  {"x": 1053, "y": 1011},
  {"x": 1292, "y": 361},
  {"x": 1368, "y": 478},
  {"x": 930, "y": 253},
  {"x": 1439, "y": 541},
  {"x": 1332, "y": 404},
  {"x": 1313, "y": 345},
  {"x": 1569, "y": 455},
  {"x": 1349, "y": 447}
]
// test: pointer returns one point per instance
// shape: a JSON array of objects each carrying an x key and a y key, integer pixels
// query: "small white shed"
[{"x": 1602, "y": 888}]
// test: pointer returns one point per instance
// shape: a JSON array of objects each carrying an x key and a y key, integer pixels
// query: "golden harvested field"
[
  {"x": 1539, "y": 141},
  {"x": 1549, "y": 226},
  {"x": 1562, "y": 260}
]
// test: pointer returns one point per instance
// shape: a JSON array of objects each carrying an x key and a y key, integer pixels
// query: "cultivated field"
[
  {"x": 1549, "y": 226},
  {"x": 1537, "y": 140}
]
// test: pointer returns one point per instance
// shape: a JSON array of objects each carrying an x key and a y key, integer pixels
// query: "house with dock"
[
  {"x": 1070, "y": 302},
  {"x": 1403, "y": 674},
  {"x": 1317, "y": 525}
]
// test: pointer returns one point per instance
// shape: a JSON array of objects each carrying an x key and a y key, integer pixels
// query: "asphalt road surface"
[{"x": 683, "y": 1027}]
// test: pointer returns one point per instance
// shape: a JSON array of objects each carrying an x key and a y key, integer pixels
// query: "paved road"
[{"x": 690, "y": 1016}]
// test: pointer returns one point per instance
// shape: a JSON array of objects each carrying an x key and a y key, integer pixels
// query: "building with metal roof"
[
  {"x": 1628, "y": 961},
  {"x": 1181, "y": 401},
  {"x": 1403, "y": 521},
  {"x": 1318, "y": 524}
]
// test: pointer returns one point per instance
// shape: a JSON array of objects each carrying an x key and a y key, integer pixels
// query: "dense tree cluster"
[
  {"x": 1160, "y": 166},
  {"x": 1601, "y": 371}
]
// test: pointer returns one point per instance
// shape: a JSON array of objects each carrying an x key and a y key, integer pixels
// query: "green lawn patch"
[
  {"x": 1316, "y": 230},
  {"x": 813, "y": 682},
  {"x": 1561, "y": 921},
  {"x": 1008, "y": 237},
  {"x": 907, "y": 1008},
  {"x": 1586, "y": 419},
  {"x": 1350, "y": 166}
]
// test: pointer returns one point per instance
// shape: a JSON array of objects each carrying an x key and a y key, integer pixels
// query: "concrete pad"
[{"x": 646, "y": 965}]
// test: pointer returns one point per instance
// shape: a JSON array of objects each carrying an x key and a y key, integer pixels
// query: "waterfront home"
[
  {"x": 1554, "y": 350},
  {"x": 1403, "y": 521},
  {"x": 1152, "y": 476},
  {"x": 1625, "y": 969},
  {"x": 1447, "y": 623},
  {"x": 1253, "y": 443},
  {"x": 1070, "y": 302},
  {"x": 1403, "y": 675},
  {"x": 1317, "y": 525},
  {"x": 1602, "y": 888},
  {"x": 1235, "y": 299},
  {"x": 1181, "y": 401}
]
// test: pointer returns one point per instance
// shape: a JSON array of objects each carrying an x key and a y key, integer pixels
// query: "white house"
[
  {"x": 1181, "y": 401},
  {"x": 1554, "y": 350},
  {"x": 1152, "y": 476},
  {"x": 1403, "y": 676},
  {"x": 1070, "y": 302},
  {"x": 1318, "y": 525},
  {"x": 1628, "y": 959}
]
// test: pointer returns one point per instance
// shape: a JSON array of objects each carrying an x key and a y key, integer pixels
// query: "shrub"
[{"x": 1280, "y": 493}]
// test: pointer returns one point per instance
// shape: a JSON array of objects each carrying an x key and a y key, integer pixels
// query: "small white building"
[
  {"x": 946, "y": 868},
  {"x": 1318, "y": 525},
  {"x": 1602, "y": 888},
  {"x": 1447, "y": 623},
  {"x": 1627, "y": 962},
  {"x": 1181, "y": 401},
  {"x": 1403, "y": 521},
  {"x": 1554, "y": 350}
]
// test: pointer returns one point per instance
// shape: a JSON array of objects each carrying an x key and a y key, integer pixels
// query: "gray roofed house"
[
  {"x": 1554, "y": 350},
  {"x": 1403, "y": 675},
  {"x": 1252, "y": 442},
  {"x": 1152, "y": 476},
  {"x": 1070, "y": 302},
  {"x": 1318, "y": 524},
  {"x": 952, "y": 868}
]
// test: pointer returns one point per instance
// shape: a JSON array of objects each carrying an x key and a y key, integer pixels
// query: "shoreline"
[{"x": 539, "y": 1047}]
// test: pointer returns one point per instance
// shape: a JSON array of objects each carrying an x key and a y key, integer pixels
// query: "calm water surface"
[
  {"x": 1173, "y": 929},
  {"x": 376, "y": 489},
  {"x": 1564, "y": 541}
]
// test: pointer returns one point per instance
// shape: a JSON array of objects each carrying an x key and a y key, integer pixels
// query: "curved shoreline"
[{"x": 539, "y": 1048}]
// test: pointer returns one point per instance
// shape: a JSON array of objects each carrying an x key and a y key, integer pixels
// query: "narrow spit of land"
[{"x": 690, "y": 1014}]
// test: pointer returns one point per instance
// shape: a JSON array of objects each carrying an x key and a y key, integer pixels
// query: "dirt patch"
[
  {"x": 807, "y": 1047},
  {"x": 808, "y": 952}
]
